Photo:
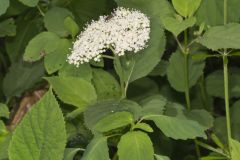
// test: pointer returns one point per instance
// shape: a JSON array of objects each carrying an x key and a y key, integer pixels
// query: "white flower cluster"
[{"x": 125, "y": 30}]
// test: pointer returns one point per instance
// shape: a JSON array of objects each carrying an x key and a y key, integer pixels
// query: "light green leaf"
[
  {"x": 98, "y": 111},
  {"x": 186, "y": 8},
  {"x": 153, "y": 105},
  {"x": 54, "y": 21},
  {"x": 83, "y": 71},
  {"x": 113, "y": 121},
  {"x": 4, "y": 141},
  {"x": 41, "y": 45},
  {"x": 176, "y": 27},
  {"x": 41, "y": 134},
  {"x": 107, "y": 87},
  {"x": 26, "y": 30},
  {"x": 97, "y": 149},
  {"x": 135, "y": 146},
  {"x": 178, "y": 128},
  {"x": 30, "y": 3},
  {"x": 235, "y": 151},
  {"x": 21, "y": 77},
  {"x": 71, "y": 26},
  {"x": 7, "y": 28},
  {"x": 215, "y": 83},
  {"x": 73, "y": 90},
  {"x": 175, "y": 71},
  {"x": 159, "y": 157},
  {"x": 4, "y": 111},
  {"x": 69, "y": 153},
  {"x": 4, "y": 6},
  {"x": 55, "y": 61},
  {"x": 143, "y": 126},
  {"x": 221, "y": 37}
]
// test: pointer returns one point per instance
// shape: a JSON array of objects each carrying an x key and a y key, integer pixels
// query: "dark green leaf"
[
  {"x": 4, "y": 6},
  {"x": 30, "y": 3},
  {"x": 7, "y": 28}
]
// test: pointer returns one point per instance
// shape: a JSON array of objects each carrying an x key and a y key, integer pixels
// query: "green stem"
[
  {"x": 203, "y": 93},
  {"x": 226, "y": 93},
  {"x": 186, "y": 72},
  {"x": 120, "y": 70}
]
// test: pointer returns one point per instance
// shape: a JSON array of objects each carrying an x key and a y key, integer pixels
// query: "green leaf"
[
  {"x": 143, "y": 126},
  {"x": 176, "y": 27},
  {"x": 235, "y": 151},
  {"x": 54, "y": 21},
  {"x": 113, "y": 121},
  {"x": 97, "y": 149},
  {"x": 203, "y": 56},
  {"x": 4, "y": 6},
  {"x": 151, "y": 8},
  {"x": 21, "y": 77},
  {"x": 26, "y": 30},
  {"x": 98, "y": 111},
  {"x": 153, "y": 105},
  {"x": 71, "y": 26},
  {"x": 5, "y": 141},
  {"x": 186, "y": 8},
  {"x": 211, "y": 12},
  {"x": 221, "y": 37},
  {"x": 4, "y": 111},
  {"x": 159, "y": 157},
  {"x": 30, "y": 3},
  {"x": 41, "y": 134},
  {"x": 7, "y": 28},
  {"x": 41, "y": 45},
  {"x": 55, "y": 61},
  {"x": 178, "y": 128},
  {"x": 175, "y": 71},
  {"x": 215, "y": 83},
  {"x": 135, "y": 146},
  {"x": 160, "y": 69},
  {"x": 107, "y": 87},
  {"x": 69, "y": 153},
  {"x": 141, "y": 64},
  {"x": 202, "y": 117},
  {"x": 83, "y": 71},
  {"x": 74, "y": 91}
]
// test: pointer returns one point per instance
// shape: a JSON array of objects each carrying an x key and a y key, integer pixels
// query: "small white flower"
[{"x": 127, "y": 30}]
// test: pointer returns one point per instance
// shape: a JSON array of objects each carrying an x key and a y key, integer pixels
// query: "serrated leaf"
[
  {"x": 30, "y": 3},
  {"x": 177, "y": 128},
  {"x": 71, "y": 26},
  {"x": 41, "y": 134},
  {"x": 142, "y": 150},
  {"x": 54, "y": 20},
  {"x": 113, "y": 121},
  {"x": 175, "y": 71},
  {"x": 73, "y": 90},
  {"x": 41, "y": 45},
  {"x": 222, "y": 37},
  {"x": 153, "y": 105},
  {"x": 25, "y": 74},
  {"x": 56, "y": 60},
  {"x": 186, "y": 8},
  {"x": 143, "y": 126},
  {"x": 4, "y": 111},
  {"x": 101, "y": 109},
  {"x": 215, "y": 83},
  {"x": 4, "y": 6},
  {"x": 7, "y": 28},
  {"x": 176, "y": 27},
  {"x": 97, "y": 149},
  {"x": 83, "y": 71},
  {"x": 107, "y": 87}
]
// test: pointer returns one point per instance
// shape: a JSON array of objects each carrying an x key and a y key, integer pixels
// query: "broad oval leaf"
[
  {"x": 222, "y": 37},
  {"x": 4, "y": 6},
  {"x": 73, "y": 90},
  {"x": 41, "y": 134},
  {"x": 186, "y": 8},
  {"x": 30, "y": 3},
  {"x": 175, "y": 71},
  {"x": 41, "y": 45},
  {"x": 54, "y": 20},
  {"x": 178, "y": 128},
  {"x": 135, "y": 145},
  {"x": 97, "y": 149},
  {"x": 114, "y": 121}
]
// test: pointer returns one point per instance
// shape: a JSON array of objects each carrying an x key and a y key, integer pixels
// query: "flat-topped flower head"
[{"x": 125, "y": 31}]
